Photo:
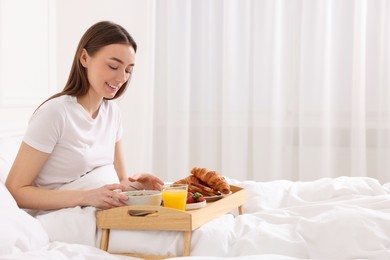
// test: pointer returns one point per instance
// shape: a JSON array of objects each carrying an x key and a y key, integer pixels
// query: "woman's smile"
[{"x": 112, "y": 87}]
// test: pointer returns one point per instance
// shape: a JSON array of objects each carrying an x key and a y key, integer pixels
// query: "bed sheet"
[
  {"x": 23, "y": 237},
  {"x": 331, "y": 218},
  {"x": 64, "y": 251}
]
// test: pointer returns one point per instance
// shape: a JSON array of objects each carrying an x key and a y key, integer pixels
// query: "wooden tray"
[{"x": 160, "y": 218}]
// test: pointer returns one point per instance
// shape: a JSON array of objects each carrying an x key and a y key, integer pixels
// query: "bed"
[{"x": 329, "y": 218}]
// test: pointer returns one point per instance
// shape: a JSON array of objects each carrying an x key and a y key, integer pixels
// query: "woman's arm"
[
  {"x": 120, "y": 168},
  {"x": 119, "y": 161},
  {"x": 140, "y": 181},
  {"x": 25, "y": 169}
]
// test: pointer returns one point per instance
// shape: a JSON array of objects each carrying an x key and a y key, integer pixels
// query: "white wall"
[
  {"x": 25, "y": 51},
  {"x": 36, "y": 57}
]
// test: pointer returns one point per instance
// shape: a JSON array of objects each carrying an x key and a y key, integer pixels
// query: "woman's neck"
[{"x": 90, "y": 104}]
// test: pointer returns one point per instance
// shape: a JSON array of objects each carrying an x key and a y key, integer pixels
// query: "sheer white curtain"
[{"x": 271, "y": 89}]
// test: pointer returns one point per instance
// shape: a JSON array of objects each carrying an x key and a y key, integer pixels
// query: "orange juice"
[{"x": 175, "y": 198}]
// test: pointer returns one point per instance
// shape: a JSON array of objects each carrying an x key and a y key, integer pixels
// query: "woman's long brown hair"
[{"x": 96, "y": 37}]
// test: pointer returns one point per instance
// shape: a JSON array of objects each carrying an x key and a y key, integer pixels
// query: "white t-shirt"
[{"x": 76, "y": 142}]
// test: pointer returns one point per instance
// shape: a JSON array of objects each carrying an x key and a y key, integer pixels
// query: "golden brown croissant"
[
  {"x": 205, "y": 190},
  {"x": 212, "y": 179},
  {"x": 188, "y": 180}
]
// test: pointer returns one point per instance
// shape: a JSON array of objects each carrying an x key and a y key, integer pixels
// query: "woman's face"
[{"x": 108, "y": 69}]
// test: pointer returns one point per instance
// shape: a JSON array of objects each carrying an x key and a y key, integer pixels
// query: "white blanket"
[
  {"x": 77, "y": 225},
  {"x": 64, "y": 251},
  {"x": 340, "y": 218},
  {"x": 23, "y": 237}
]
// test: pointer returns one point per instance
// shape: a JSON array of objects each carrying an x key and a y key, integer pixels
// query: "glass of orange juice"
[{"x": 175, "y": 196}]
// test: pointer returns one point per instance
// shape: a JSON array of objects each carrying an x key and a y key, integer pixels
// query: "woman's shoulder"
[
  {"x": 52, "y": 114},
  {"x": 56, "y": 106},
  {"x": 60, "y": 101}
]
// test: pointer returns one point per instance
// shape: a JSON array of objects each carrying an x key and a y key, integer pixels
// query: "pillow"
[
  {"x": 9, "y": 147},
  {"x": 7, "y": 201},
  {"x": 20, "y": 232},
  {"x": 4, "y": 170}
]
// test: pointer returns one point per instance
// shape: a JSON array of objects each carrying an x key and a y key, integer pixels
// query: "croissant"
[
  {"x": 205, "y": 190},
  {"x": 212, "y": 179},
  {"x": 188, "y": 180}
]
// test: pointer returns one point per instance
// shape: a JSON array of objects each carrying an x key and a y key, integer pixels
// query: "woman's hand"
[
  {"x": 105, "y": 197},
  {"x": 144, "y": 181}
]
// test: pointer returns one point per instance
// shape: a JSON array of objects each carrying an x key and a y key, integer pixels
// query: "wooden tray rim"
[{"x": 167, "y": 218}]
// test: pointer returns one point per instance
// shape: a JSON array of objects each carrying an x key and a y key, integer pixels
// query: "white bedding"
[
  {"x": 63, "y": 251},
  {"x": 23, "y": 237},
  {"x": 339, "y": 218}
]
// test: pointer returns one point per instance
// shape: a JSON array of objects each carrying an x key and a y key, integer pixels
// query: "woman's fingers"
[
  {"x": 149, "y": 181},
  {"x": 114, "y": 186},
  {"x": 111, "y": 202},
  {"x": 159, "y": 181},
  {"x": 115, "y": 203},
  {"x": 107, "y": 197},
  {"x": 132, "y": 179},
  {"x": 113, "y": 194}
]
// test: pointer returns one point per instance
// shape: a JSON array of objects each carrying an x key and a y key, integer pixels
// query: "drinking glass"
[{"x": 175, "y": 196}]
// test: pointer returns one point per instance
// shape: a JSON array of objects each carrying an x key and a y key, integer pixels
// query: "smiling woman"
[
  {"x": 79, "y": 130},
  {"x": 108, "y": 71}
]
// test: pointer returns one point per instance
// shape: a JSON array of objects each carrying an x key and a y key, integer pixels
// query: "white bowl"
[
  {"x": 196, "y": 205},
  {"x": 143, "y": 197}
]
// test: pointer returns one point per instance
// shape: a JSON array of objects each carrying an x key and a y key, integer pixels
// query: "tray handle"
[{"x": 142, "y": 212}]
